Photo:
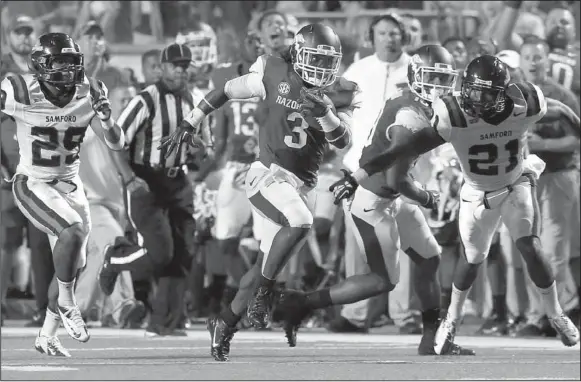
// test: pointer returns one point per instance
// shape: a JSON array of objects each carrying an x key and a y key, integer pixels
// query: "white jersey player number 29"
[
  {"x": 48, "y": 142},
  {"x": 482, "y": 158}
]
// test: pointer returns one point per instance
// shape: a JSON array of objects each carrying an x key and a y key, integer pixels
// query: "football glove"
[
  {"x": 184, "y": 133},
  {"x": 102, "y": 108},
  {"x": 312, "y": 103},
  {"x": 344, "y": 188}
]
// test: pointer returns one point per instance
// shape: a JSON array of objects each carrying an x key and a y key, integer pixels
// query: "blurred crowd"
[{"x": 103, "y": 29}]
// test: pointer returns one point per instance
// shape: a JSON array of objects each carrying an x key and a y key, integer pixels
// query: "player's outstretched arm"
[
  {"x": 558, "y": 111},
  {"x": 399, "y": 179},
  {"x": 247, "y": 86},
  {"x": 405, "y": 143}
]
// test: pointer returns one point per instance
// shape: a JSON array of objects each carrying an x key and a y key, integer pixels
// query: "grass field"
[{"x": 125, "y": 354}]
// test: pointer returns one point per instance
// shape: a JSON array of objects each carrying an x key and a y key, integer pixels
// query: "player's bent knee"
[
  {"x": 383, "y": 283},
  {"x": 475, "y": 257},
  {"x": 75, "y": 232}
]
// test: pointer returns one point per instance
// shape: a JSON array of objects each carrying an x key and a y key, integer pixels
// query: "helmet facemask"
[
  {"x": 482, "y": 100},
  {"x": 317, "y": 66},
  {"x": 70, "y": 74},
  {"x": 430, "y": 83}
]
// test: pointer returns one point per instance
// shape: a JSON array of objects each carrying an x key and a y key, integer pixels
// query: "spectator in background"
[
  {"x": 415, "y": 31},
  {"x": 105, "y": 195},
  {"x": 556, "y": 144},
  {"x": 272, "y": 26},
  {"x": 13, "y": 225},
  {"x": 457, "y": 48},
  {"x": 94, "y": 47},
  {"x": 130, "y": 78},
  {"x": 150, "y": 67},
  {"x": 479, "y": 46}
]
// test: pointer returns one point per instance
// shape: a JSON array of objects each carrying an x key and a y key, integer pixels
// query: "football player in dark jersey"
[{"x": 309, "y": 107}]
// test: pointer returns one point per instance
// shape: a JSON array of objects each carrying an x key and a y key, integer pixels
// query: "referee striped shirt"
[{"x": 152, "y": 115}]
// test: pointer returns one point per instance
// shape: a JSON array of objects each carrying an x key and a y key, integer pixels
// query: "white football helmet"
[{"x": 202, "y": 43}]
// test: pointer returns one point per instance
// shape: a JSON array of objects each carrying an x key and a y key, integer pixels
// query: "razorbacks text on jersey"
[
  {"x": 406, "y": 110},
  {"x": 288, "y": 139},
  {"x": 564, "y": 68},
  {"x": 236, "y": 120},
  {"x": 491, "y": 154},
  {"x": 49, "y": 137}
]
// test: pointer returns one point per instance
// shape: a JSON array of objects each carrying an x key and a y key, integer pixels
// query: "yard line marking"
[
  {"x": 38, "y": 368},
  {"x": 207, "y": 348},
  {"x": 121, "y": 362}
]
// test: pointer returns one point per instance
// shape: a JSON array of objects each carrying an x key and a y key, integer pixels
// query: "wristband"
[
  {"x": 195, "y": 117},
  {"x": 329, "y": 121}
]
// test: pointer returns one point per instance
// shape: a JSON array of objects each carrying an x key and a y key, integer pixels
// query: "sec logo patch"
[{"x": 283, "y": 88}]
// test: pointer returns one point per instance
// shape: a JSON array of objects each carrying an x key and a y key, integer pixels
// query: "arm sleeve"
[
  {"x": 532, "y": 97},
  {"x": 132, "y": 117},
  {"x": 249, "y": 85}
]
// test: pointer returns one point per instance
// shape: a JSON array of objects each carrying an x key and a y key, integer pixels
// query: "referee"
[{"x": 159, "y": 195}]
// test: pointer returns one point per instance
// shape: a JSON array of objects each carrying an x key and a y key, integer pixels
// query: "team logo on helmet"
[{"x": 283, "y": 88}]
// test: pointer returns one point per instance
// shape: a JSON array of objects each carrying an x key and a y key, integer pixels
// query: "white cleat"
[
  {"x": 50, "y": 346},
  {"x": 566, "y": 328},
  {"x": 74, "y": 323},
  {"x": 445, "y": 335}
]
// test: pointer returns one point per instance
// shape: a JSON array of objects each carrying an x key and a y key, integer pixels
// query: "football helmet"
[
  {"x": 483, "y": 91},
  {"x": 432, "y": 72},
  {"x": 202, "y": 42},
  {"x": 316, "y": 54},
  {"x": 57, "y": 47}
]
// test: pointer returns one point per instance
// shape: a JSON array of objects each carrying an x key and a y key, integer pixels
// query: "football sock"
[
  {"x": 430, "y": 318},
  {"x": 445, "y": 296},
  {"x": 499, "y": 306},
  {"x": 319, "y": 299},
  {"x": 66, "y": 292},
  {"x": 229, "y": 317},
  {"x": 550, "y": 300},
  {"x": 51, "y": 324},
  {"x": 457, "y": 300}
]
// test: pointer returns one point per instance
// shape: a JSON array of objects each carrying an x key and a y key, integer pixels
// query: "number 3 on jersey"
[
  {"x": 49, "y": 141},
  {"x": 478, "y": 165},
  {"x": 298, "y": 139}
]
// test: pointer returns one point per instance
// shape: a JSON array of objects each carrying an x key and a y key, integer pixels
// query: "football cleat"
[
  {"x": 566, "y": 329},
  {"x": 74, "y": 323},
  {"x": 444, "y": 338},
  {"x": 260, "y": 306},
  {"x": 220, "y": 335},
  {"x": 295, "y": 310},
  {"x": 50, "y": 346},
  {"x": 426, "y": 346},
  {"x": 107, "y": 275}
]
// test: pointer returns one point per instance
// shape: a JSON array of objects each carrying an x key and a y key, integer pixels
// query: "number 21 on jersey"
[{"x": 487, "y": 155}]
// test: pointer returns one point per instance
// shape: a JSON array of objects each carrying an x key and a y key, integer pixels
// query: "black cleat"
[
  {"x": 260, "y": 306},
  {"x": 295, "y": 310},
  {"x": 108, "y": 275},
  {"x": 221, "y": 335}
]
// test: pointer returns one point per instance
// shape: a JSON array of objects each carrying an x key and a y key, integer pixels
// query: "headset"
[{"x": 405, "y": 36}]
